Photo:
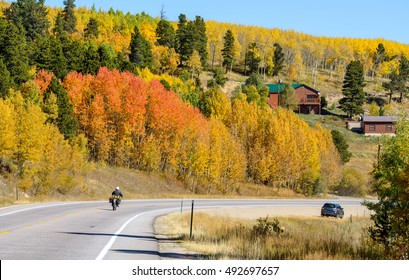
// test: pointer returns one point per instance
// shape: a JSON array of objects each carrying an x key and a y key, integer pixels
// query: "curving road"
[{"x": 92, "y": 231}]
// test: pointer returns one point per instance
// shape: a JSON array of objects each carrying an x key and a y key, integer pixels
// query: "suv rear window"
[{"x": 329, "y": 205}]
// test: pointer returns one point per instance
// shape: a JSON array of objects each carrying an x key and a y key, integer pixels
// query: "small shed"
[{"x": 378, "y": 125}]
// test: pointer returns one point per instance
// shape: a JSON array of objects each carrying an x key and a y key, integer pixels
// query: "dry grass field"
[{"x": 280, "y": 238}]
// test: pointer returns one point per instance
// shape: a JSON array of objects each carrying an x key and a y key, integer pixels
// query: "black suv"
[{"x": 332, "y": 209}]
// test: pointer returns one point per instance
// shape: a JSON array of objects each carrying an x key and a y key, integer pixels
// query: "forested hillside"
[{"x": 82, "y": 85}]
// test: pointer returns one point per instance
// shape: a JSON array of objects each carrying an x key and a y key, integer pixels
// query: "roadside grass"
[
  {"x": 292, "y": 238},
  {"x": 100, "y": 180}
]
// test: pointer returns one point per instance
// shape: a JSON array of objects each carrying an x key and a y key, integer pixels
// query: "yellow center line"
[
  {"x": 28, "y": 226},
  {"x": 4, "y": 232}
]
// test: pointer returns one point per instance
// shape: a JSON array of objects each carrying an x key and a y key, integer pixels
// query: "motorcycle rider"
[{"x": 117, "y": 193}]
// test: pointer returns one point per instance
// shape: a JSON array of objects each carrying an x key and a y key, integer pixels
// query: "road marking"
[
  {"x": 4, "y": 232},
  {"x": 44, "y": 206},
  {"x": 113, "y": 238},
  {"x": 27, "y": 226}
]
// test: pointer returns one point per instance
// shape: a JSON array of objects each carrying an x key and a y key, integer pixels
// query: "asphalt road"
[{"x": 92, "y": 231}]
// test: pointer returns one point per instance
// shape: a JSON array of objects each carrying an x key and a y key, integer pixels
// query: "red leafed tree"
[
  {"x": 43, "y": 80},
  {"x": 111, "y": 109}
]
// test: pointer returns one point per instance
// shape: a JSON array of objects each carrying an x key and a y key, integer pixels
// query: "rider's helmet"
[{"x": 117, "y": 188}]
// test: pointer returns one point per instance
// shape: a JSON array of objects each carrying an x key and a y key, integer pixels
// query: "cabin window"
[
  {"x": 388, "y": 127},
  {"x": 372, "y": 127},
  {"x": 311, "y": 96}
]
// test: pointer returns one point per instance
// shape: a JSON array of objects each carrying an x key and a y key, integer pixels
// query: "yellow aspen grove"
[
  {"x": 219, "y": 103},
  {"x": 330, "y": 172},
  {"x": 40, "y": 159},
  {"x": 7, "y": 130},
  {"x": 227, "y": 163}
]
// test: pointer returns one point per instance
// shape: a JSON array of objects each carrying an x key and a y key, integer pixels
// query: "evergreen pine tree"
[
  {"x": 15, "y": 52},
  {"x": 252, "y": 58},
  {"x": 403, "y": 76},
  {"x": 378, "y": 57},
  {"x": 184, "y": 40},
  {"x": 91, "y": 60},
  {"x": 278, "y": 59},
  {"x": 200, "y": 38},
  {"x": 31, "y": 14},
  {"x": 58, "y": 60},
  {"x": 123, "y": 64},
  {"x": 398, "y": 80},
  {"x": 165, "y": 34},
  {"x": 106, "y": 56},
  {"x": 69, "y": 17},
  {"x": 5, "y": 80},
  {"x": 74, "y": 53},
  {"x": 42, "y": 52},
  {"x": 91, "y": 30},
  {"x": 341, "y": 145},
  {"x": 58, "y": 29},
  {"x": 227, "y": 51},
  {"x": 66, "y": 122},
  {"x": 353, "y": 89},
  {"x": 140, "y": 50}
]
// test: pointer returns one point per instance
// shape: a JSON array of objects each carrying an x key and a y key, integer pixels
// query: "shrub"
[
  {"x": 352, "y": 183},
  {"x": 265, "y": 227}
]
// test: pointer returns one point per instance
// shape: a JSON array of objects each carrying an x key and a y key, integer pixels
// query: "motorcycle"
[{"x": 114, "y": 200}]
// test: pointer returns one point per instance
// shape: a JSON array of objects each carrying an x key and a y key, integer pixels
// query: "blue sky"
[{"x": 346, "y": 18}]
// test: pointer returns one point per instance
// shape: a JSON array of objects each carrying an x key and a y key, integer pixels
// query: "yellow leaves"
[
  {"x": 226, "y": 159},
  {"x": 194, "y": 63},
  {"x": 7, "y": 129},
  {"x": 148, "y": 31},
  {"x": 165, "y": 60},
  {"x": 37, "y": 153}
]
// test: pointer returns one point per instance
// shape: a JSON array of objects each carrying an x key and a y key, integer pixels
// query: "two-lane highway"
[{"x": 91, "y": 230}]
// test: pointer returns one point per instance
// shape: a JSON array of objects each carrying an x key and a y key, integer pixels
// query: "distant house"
[
  {"x": 378, "y": 125},
  {"x": 309, "y": 101}
]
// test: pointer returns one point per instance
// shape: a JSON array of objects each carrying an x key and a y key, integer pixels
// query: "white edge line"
[{"x": 113, "y": 238}]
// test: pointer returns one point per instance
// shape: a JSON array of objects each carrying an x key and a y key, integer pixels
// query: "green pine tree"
[
  {"x": 69, "y": 16},
  {"x": 91, "y": 60},
  {"x": 353, "y": 89},
  {"x": 74, "y": 53},
  {"x": 107, "y": 56},
  {"x": 403, "y": 77},
  {"x": 165, "y": 34},
  {"x": 123, "y": 64},
  {"x": 140, "y": 50},
  {"x": 278, "y": 59},
  {"x": 228, "y": 50},
  {"x": 92, "y": 29},
  {"x": 252, "y": 58},
  {"x": 15, "y": 51},
  {"x": 58, "y": 59},
  {"x": 30, "y": 14},
  {"x": 66, "y": 122},
  {"x": 42, "y": 52},
  {"x": 58, "y": 29},
  {"x": 341, "y": 145},
  {"x": 184, "y": 39},
  {"x": 5, "y": 80},
  {"x": 200, "y": 38}
]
